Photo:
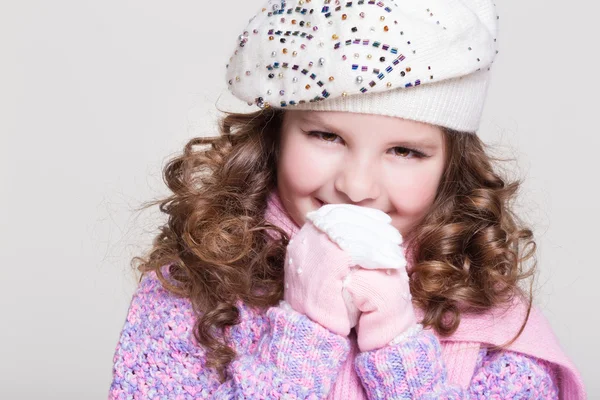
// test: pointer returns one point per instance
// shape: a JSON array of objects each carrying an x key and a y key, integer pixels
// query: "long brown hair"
[{"x": 467, "y": 252}]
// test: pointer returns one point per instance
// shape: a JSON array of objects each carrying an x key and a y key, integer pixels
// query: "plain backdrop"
[{"x": 95, "y": 96}]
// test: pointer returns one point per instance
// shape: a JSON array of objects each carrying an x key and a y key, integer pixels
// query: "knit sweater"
[{"x": 283, "y": 354}]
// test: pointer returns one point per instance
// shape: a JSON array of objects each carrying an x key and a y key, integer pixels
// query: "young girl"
[{"x": 351, "y": 239}]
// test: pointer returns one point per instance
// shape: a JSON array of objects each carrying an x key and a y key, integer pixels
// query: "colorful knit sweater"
[{"x": 283, "y": 354}]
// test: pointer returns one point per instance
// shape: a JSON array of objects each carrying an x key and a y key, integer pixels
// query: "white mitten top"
[{"x": 366, "y": 234}]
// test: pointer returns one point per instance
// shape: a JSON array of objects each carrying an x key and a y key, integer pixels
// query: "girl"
[{"x": 351, "y": 239}]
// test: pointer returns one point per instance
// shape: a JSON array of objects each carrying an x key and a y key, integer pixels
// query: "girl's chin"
[{"x": 317, "y": 203}]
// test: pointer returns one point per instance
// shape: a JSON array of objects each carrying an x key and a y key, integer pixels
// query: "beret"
[{"x": 424, "y": 61}]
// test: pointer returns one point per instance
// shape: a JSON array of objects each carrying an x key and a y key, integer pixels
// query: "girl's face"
[{"x": 391, "y": 164}]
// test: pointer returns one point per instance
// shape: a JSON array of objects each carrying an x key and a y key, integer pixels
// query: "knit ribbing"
[
  {"x": 460, "y": 359},
  {"x": 347, "y": 385},
  {"x": 455, "y": 103}
]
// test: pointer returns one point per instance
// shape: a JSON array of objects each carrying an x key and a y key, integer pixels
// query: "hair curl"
[{"x": 466, "y": 253}]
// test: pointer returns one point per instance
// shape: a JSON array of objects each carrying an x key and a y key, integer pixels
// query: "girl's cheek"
[
  {"x": 305, "y": 165},
  {"x": 413, "y": 195}
]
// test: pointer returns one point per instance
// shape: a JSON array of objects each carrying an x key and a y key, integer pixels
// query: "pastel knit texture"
[{"x": 283, "y": 354}]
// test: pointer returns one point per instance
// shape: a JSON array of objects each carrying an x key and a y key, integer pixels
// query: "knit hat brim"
[{"x": 453, "y": 103}]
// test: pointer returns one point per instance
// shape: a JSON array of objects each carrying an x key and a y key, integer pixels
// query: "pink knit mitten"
[
  {"x": 314, "y": 271},
  {"x": 335, "y": 238},
  {"x": 384, "y": 300}
]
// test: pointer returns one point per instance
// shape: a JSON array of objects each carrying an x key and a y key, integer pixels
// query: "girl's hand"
[
  {"x": 314, "y": 271},
  {"x": 377, "y": 289},
  {"x": 384, "y": 301},
  {"x": 314, "y": 277}
]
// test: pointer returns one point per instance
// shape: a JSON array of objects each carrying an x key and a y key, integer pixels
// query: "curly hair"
[{"x": 467, "y": 253}]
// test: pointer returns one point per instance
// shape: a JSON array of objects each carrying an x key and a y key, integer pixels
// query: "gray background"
[{"x": 95, "y": 96}]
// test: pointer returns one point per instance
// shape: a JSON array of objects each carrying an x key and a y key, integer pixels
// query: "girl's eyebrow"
[
  {"x": 424, "y": 143},
  {"x": 317, "y": 120},
  {"x": 419, "y": 144}
]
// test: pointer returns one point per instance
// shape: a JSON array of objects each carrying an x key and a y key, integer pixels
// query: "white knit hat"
[{"x": 427, "y": 62}]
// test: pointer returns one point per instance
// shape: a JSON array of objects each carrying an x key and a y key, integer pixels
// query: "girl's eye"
[
  {"x": 404, "y": 152},
  {"x": 325, "y": 136},
  {"x": 400, "y": 152}
]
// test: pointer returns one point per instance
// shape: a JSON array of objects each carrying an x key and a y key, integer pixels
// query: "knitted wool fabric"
[
  {"x": 495, "y": 328},
  {"x": 282, "y": 354},
  {"x": 426, "y": 62}
]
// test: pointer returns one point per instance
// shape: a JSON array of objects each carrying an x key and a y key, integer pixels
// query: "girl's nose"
[{"x": 358, "y": 182}]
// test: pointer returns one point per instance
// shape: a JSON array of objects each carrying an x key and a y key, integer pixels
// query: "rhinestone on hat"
[{"x": 385, "y": 52}]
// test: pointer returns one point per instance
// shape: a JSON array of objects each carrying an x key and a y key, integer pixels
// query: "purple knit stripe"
[
  {"x": 249, "y": 379},
  {"x": 244, "y": 337},
  {"x": 155, "y": 355},
  {"x": 291, "y": 334},
  {"x": 404, "y": 370},
  {"x": 515, "y": 376},
  {"x": 413, "y": 369}
]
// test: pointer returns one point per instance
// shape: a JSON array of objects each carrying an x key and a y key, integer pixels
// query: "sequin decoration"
[
  {"x": 243, "y": 39},
  {"x": 376, "y": 57}
]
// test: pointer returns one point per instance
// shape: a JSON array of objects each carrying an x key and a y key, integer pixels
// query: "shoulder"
[
  {"x": 511, "y": 374},
  {"x": 161, "y": 314},
  {"x": 157, "y": 351},
  {"x": 154, "y": 353},
  {"x": 157, "y": 312}
]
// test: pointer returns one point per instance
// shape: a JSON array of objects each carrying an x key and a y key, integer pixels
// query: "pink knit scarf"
[{"x": 460, "y": 350}]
